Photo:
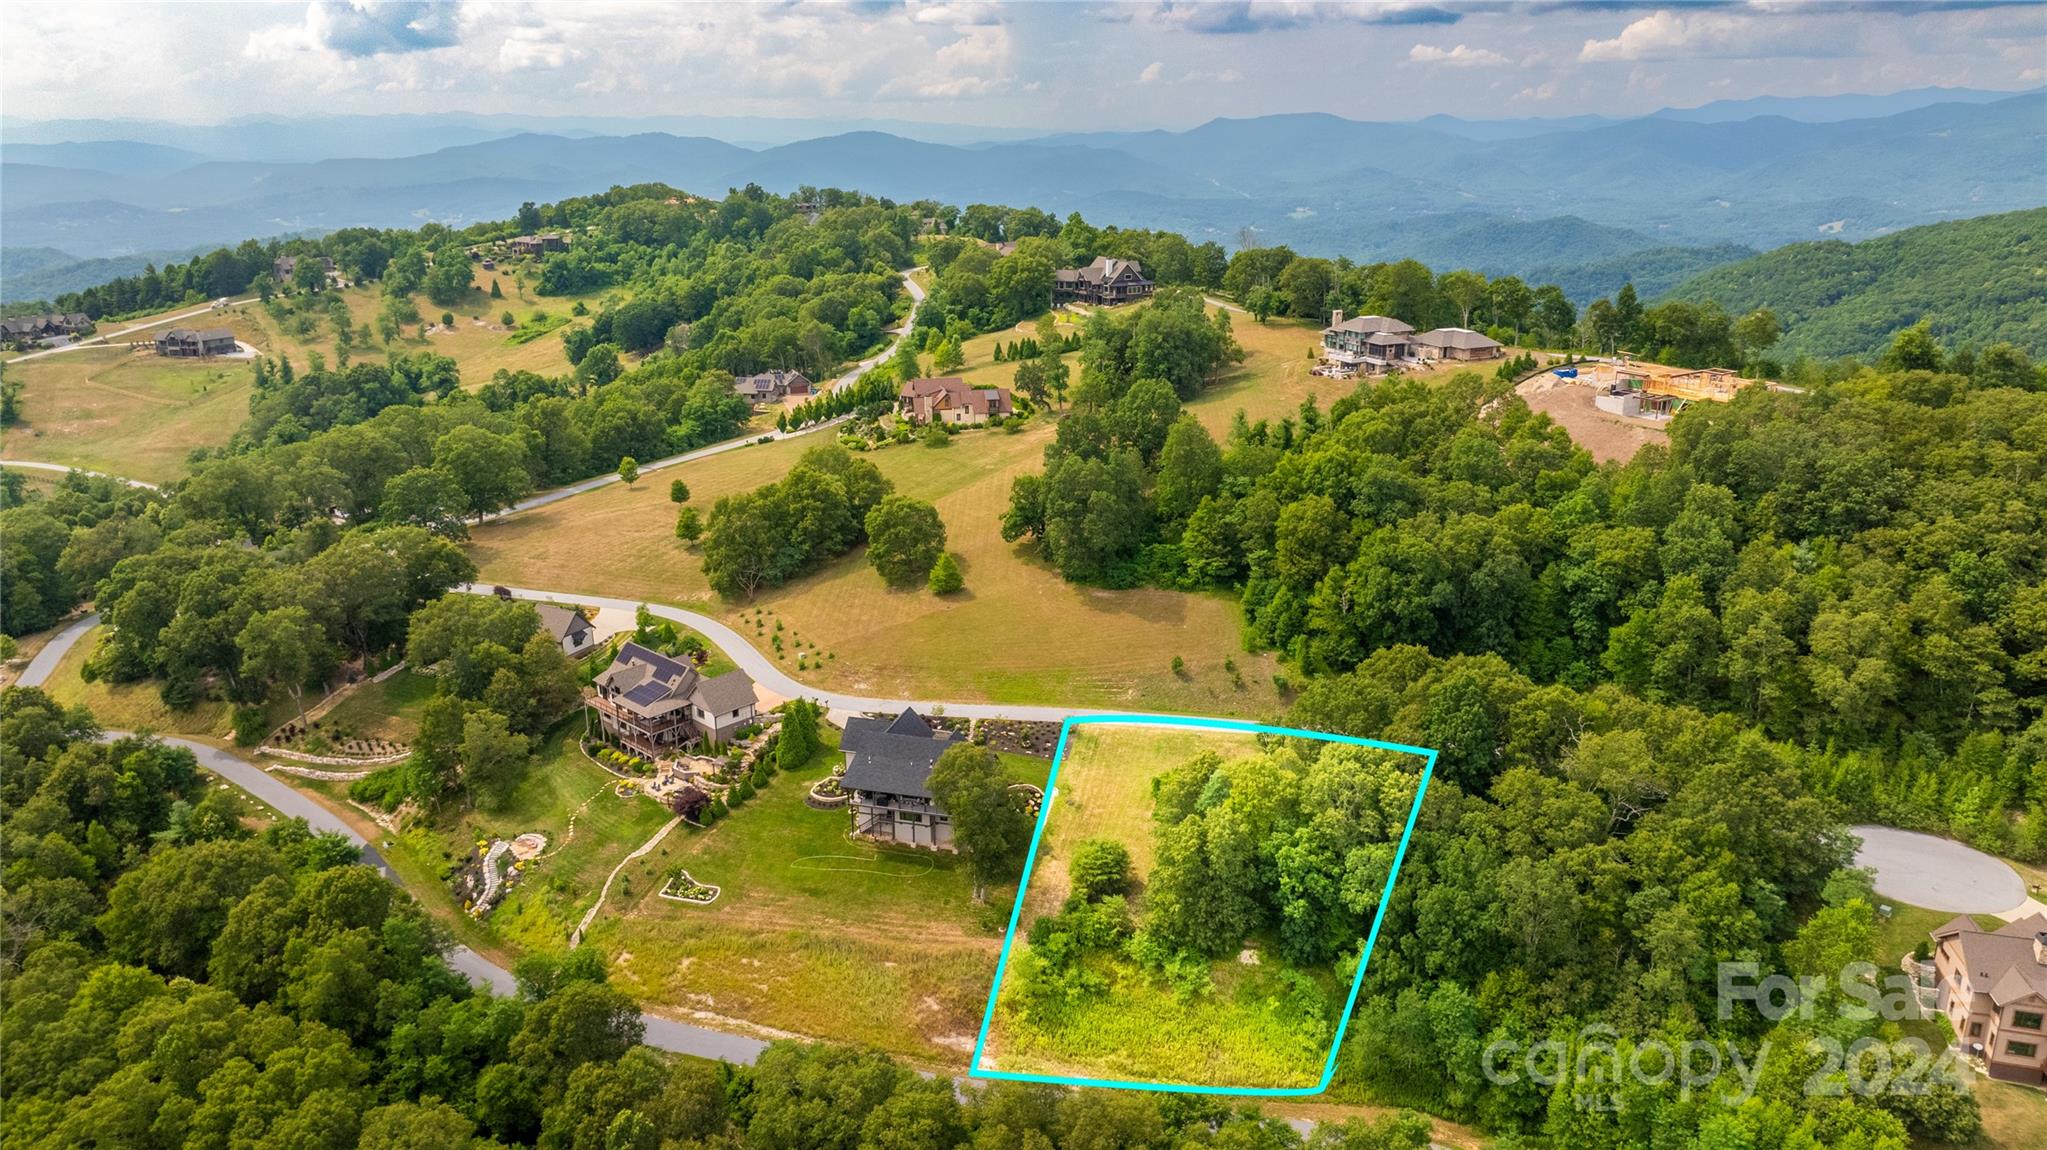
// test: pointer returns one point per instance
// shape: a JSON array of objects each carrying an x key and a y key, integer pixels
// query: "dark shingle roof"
[
  {"x": 726, "y": 693},
  {"x": 892, "y": 757}
]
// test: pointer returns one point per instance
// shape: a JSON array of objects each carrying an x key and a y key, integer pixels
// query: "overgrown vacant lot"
[
  {"x": 812, "y": 933},
  {"x": 1249, "y": 1023},
  {"x": 1018, "y": 633},
  {"x": 127, "y": 413}
]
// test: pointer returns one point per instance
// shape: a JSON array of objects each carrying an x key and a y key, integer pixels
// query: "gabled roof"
[
  {"x": 725, "y": 693},
  {"x": 561, "y": 622},
  {"x": 648, "y": 681},
  {"x": 2004, "y": 963},
  {"x": 1104, "y": 269},
  {"x": 892, "y": 757},
  {"x": 951, "y": 391},
  {"x": 1458, "y": 337},
  {"x": 1367, "y": 324}
]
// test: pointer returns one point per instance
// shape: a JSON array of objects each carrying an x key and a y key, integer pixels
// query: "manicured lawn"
[
  {"x": 137, "y": 706},
  {"x": 386, "y": 710},
  {"x": 812, "y": 933},
  {"x": 1255, "y": 1026},
  {"x": 2014, "y": 1117}
]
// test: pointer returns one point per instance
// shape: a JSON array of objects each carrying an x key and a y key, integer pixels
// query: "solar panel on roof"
[{"x": 646, "y": 693}]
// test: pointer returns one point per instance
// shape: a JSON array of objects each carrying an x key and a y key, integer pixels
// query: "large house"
[
  {"x": 569, "y": 627},
  {"x": 1367, "y": 342},
  {"x": 888, "y": 774},
  {"x": 770, "y": 386},
  {"x": 191, "y": 342},
  {"x": 23, "y": 328},
  {"x": 1993, "y": 989},
  {"x": 1107, "y": 280},
  {"x": 1456, "y": 343},
  {"x": 951, "y": 400},
  {"x": 285, "y": 267},
  {"x": 535, "y": 245},
  {"x": 656, "y": 705}
]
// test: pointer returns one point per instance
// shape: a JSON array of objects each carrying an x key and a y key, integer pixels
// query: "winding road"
[
  {"x": 853, "y": 373},
  {"x": 40, "y": 466},
  {"x": 104, "y": 339}
]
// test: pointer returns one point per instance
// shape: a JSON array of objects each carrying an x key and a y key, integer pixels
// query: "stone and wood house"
[
  {"x": 27, "y": 328},
  {"x": 1107, "y": 280},
  {"x": 656, "y": 706},
  {"x": 888, "y": 775},
  {"x": 1458, "y": 344},
  {"x": 185, "y": 342},
  {"x": 1366, "y": 342},
  {"x": 1993, "y": 989},
  {"x": 951, "y": 400}
]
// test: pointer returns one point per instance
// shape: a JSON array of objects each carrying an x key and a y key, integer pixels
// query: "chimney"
[
  {"x": 1336, "y": 318},
  {"x": 2040, "y": 948}
]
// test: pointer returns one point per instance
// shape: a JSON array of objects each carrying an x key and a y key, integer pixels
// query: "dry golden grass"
[
  {"x": 1104, "y": 792},
  {"x": 132, "y": 706},
  {"x": 127, "y": 413}
]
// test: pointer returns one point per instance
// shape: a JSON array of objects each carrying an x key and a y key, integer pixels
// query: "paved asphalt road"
[
  {"x": 769, "y": 674},
  {"x": 39, "y": 466},
  {"x": 664, "y": 1033},
  {"x": 105, "y": 339},
  {"x": 853, "y": 373},
  {"x": 1938, "y": 874}
]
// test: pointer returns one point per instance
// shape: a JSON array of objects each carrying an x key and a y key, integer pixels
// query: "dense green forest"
[
  {"x": 174, "y": 979},
  {"x": 1974, "y": 282}
]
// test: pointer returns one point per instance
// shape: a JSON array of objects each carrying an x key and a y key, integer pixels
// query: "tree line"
[{"x": 173, "y": 977}]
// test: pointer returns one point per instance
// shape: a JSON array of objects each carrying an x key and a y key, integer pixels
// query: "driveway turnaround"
[{"x": 1938, "y": 874}]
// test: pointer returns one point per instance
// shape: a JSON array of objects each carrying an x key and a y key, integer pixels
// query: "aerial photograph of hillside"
[{"x": 988, "y": 574}]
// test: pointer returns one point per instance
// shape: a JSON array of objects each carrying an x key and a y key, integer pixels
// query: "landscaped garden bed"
[
  {"x": 334, "y": 741},
  {"x": 680, "y": 887},
  {"x": 1018, "y": 737}
]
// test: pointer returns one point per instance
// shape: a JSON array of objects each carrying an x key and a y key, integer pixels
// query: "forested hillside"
[{"x": 1975, "y": 282}]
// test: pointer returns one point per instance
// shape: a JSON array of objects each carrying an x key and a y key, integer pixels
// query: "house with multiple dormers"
[
  {"x": 28, "y": 328},
  {"x": 188, "y": 343},
  {"x": 1108, "y": 280},
  {"x": 1993, "y": 989},
  {"x": 656, "y": 706},
  {"x": 950, "y": 400},
  {"x": 888, "y": 775},
  {"x": 771, "y": 386}
]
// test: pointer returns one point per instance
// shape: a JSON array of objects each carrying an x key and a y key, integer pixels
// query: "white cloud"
[
  {"x": 1671, "y": 35},
  {"x": 1151, "y": 72},
  {"x": 1462, "y": 56},
  {"x": 1547, "y": 90},
  {"x": 362, "y": 28}
]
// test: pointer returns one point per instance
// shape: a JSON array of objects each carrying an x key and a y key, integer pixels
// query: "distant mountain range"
[{"x": 1586, "y": 201}]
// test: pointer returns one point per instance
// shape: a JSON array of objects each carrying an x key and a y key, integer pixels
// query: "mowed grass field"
[
  {"x": 813, "y": 933},
  {"x": 137, "y": 706},
  {"x": 1259, "y": 1024},
  {"x": 1017, "y": 633}
]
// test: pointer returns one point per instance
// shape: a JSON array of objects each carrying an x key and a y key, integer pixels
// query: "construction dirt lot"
[{"x": 1606, "y": 436}]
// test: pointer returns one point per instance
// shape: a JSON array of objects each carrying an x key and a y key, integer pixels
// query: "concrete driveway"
[{"x": 1938, "y": 874}]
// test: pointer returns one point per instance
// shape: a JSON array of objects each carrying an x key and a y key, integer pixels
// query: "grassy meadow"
[
  {"x": 1256, "y": 1024},
  {"x": 1017, "y": 633}
]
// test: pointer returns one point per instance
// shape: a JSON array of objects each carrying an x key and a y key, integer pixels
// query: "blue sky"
[{"x": 1050, "y": 65}]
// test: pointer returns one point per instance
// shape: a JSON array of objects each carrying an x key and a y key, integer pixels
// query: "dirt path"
[{"x": 1610, "y": 438}]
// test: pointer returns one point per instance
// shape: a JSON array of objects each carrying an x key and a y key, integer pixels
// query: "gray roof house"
[
  {"x": 187, "y": 342},
  {"x": 657, "y": 705},
  {"x": 1105, "y": 281},
  {"x": 1457, "y": 343},
  {"x": 569, "y": 627},
  {"x": 1366, "y": 342},
  {"x": 768, "y": 386},
  {"x": 888, "y": 774}
]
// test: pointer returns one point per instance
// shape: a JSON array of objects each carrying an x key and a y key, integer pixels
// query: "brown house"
[
  {"x": 1106, "y": 281},
  {"x": 656, "y": 705},
  {"x": 23, "y": 328},
  {"x": 1993, "y": 989},
  {"x": 951, "y": 400},
  {"x": 185, "y": 342}
]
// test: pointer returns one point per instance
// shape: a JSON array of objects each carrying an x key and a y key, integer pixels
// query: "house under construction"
[{"x": 1651, "y": 389}]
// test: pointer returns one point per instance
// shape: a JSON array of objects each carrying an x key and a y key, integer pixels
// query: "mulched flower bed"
[
  {"x": 1019, "y": 737},
  {"x": 312, "y": 740}
]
